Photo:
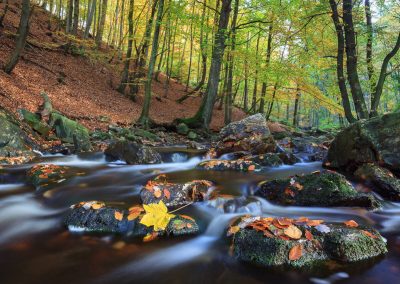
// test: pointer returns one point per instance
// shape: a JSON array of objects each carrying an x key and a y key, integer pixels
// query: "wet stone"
[
  {"x": 324, "y": 189},
  {"x": 302, "y": 242},
  {"x": 228, "y": 165},
  {"x": 384, "y": 181},
  {"x": 175, "y": 194},
  {"x": 44, "y": 177},
  {"x": 265, "y": 160},
  {"x": 131, "y": 153}
]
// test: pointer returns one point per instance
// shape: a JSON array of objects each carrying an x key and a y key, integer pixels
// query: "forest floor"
[{"x": 81, "y": 87}]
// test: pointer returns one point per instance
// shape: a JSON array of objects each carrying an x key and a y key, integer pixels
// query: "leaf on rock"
[
  {"x": 150, "y": 237},
  {"x": 167, "y": 194},
  {"x": 134, "y": 212},
  {"x": 118, "y": 215},
  {"x": 293, "y": 232},
  {"x": 309, "y": 236},
  {"x": 156, "y": 215},
  {"x": 233, "y": 230},
  {"x": 157, "y": 192},
  {"x": 251, "y": 168},
  {"x": 295, "y": 252},
  {"x": 369, "y": 234},
  {"x": 187, "y": 217},
  {"x": 351, "y": 224}
]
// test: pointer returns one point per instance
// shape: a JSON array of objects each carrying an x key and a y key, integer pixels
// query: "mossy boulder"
[
  {"x": 182, "y": 128},
  {"x": 34, "y": 121},
  {"x": 250, "y": 134},
  {"x": 265, "y": 160},
  {"x": 323, "y": 189},
  {"x": 16, "y": 143},
  {"x": 131, "y": 153},
  {"x": 44, "y": 177},
  {"x": 70, "y": 131},
  {"x": 175, "y": 194},
  {"x": 228, "y": 165},
  {"x": 302, "y": 242},
  {"x": 383, "y": 181},
  {"x": 376, "y": 140},
  {"x": 97, "y": 217}
]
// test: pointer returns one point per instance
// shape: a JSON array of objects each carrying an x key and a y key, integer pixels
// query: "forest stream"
[{"x": 35, "y": 247}]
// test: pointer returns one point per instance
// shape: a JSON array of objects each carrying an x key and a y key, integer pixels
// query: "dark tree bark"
[
  {"x": 70, "y": 11},
  {"x": 351, "y": 52},
  {"x": 89, "y": 21},
  {"x": 340, "y": 59},
  {"x": 296, "y": 109},
  {"x": 254, "y": 99},
  {"x": 267, "y": 63},
  {"x": 100, "y": 31},
  {"x": 204, "y": 114},
  {"x": 144, "y": 117},
  {"x": 76, "y": 17},
  {"x": 125, "y": 72},
  {"x": 370, "y": 66},
  {"x": 23, "y": 30}
]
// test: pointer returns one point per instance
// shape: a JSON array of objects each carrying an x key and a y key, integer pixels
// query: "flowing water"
[{"x": 36, "y": 248}]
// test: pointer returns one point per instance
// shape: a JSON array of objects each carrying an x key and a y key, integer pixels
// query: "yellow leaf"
[
  {"x": 156, "y": 215},
  {"x": 118, "y": 215},
  {"x": 293, "y": 232}
]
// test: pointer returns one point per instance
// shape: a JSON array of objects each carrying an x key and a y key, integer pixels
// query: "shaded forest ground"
[{"x": 81, "y": 87}]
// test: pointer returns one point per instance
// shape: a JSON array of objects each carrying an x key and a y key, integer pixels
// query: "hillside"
[{"x": 79, "y": 85}]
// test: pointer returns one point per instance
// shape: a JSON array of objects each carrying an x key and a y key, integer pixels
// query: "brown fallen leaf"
[
  {"x": 187, "y": 217},
  {"x": 295, "y": 252},
  {"x": 293, "y": 232},
  {"x": 167, "y": 194},
  {"x": 157, "y": 192},
  {"x": 252, "y": 168},
  {"x": 233, "y": 230},
  {"x": 150, "y": 237},
  {"x": 309, "y": 236},
  {"x": 369, "y": 234},
  {"x": 351, "y": 224},
  {"x": 314, "y": 223},
  {"x": 134, "y": 212}
]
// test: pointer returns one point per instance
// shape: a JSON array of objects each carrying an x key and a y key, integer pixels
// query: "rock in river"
[
  {"x": 323, "y": 189},
  {"x": 131, "y": 153},
  {"x": 175, "y": 194},
  {"x": 250, "y": 134},
  {"x": 302, "y": 242},
  {"x": 374, "y": 140},
  {"x": 95, "y": 216},
  {"x": 228, "y": 165}
]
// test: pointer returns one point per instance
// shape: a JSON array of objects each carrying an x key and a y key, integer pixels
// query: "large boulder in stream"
[
  {"x": 376, "y": 140},
  {"x": 175, "y": 194},
  {"x": 383, "y": 181},
  {"x": 131, "y": 153},
  {"x": 303, "y": 242},
  {"x": 229, "y": 165},
  {"x": 97, "y": 217},
  {"x": 16, "y": 143},
  {"x": 324, "y": 189},
  {"x": 250, "y": 134}
]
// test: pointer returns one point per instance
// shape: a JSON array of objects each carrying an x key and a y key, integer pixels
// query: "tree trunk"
[
  {"x": 125, "y": 72},
  {"x": 70, "y": 11},
  {"x": 254, "y": 100},
  {"x": 23, "y": 30},
  {"x": 76, "y": 17},
  {"x": 89, "y": 18},
  {"x": 351, "y": 52},
  {"x": 267, "y": 63},
  {"x": 370, "y": 66},
  {"x": 296, "y": 109},
  {"x": 228, "y": 96},
  {"x": 3, "y": 15},
  {"x": 339, "y": 67},
  {"x": 100, "y": 31},
  {"x": 144, "y": 117}
]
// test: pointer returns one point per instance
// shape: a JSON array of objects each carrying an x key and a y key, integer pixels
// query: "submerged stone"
[
  {"x": 265, "y": 160},
  {"x": 317, "y": 189},
  {"x": 383, "y": 180},
  {"x": 175, "y": 194},
  {"x": 131, "y": 153},
  {"x": 302, "y": 242}
]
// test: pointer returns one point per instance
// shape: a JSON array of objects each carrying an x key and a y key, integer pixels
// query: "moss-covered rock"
[
  {"x": 228, "y": 165},
  {"x": 131, "y": 153},
  {"x": 317, "y": 189},
  {"x": 95, "y": 216},
  {"x": 16, "y": 144},
  {"x": 175, "y": 194},
  {"x": 182, "y": 128},
  {"x": 70, "y": 131},
  {"x": 34, "y": 121},
  {"x": 265, "y": 160},
  {"x": 384, "y": 181},
  {"x": 373, "y": 140},
  {"x": 302, "y": 242}
]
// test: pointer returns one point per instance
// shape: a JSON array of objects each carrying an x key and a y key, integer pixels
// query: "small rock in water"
[
  {"x": 131, "y": 153},
  {"x": 227, "y": 165}
]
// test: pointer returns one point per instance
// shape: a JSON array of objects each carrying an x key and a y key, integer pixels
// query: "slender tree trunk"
[
  {"x": 267, "y": 63},
  {"x": 340, "y": 59},
  {"x": 370, "y": 66},
  {"x": 70, "y": 11},
  {"x": 144, "y": 117},
  {"x": 90, "y": 18},
  {"x": 231, "y": 58},
  {"x": 23, "y": 30},
  {"x": 272, "y": 101},
  {"x": 351, "y": 52},
  {"x": 246, "y": 77},
  {"x": 296, "y": 109},
  {"x": 191, "y": 47},
  {"x": 254, "y": 100},
  {"x": 100, "y": 31},
  {"x": 204, "y": 113},
  {"x": 125, "y": 72},
  {"x": 76, "y": 17}
]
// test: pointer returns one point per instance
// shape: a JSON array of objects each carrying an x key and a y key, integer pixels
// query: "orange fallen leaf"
[
  {"x": 150, "y": 237},
  {"x": 295, "y": 252},
  {"x": 96, "y": 206},
  {"x": 187, "y": 217},
  {"x": 157, "y": 193},
  {"x": 314, "y": 223},
  {"x": 233, "y": 230},
  {"x": 252, "y": 168},
  {"x": 167, "y": 194},
  {"x": 369, "y": 234},
  {"x": 309, "y": 236},
  {"x": 118, "y": 215},
  {"x": 134, "y": 212},
  {"x": 293, "y": 232},
  {"x": 351, "y": 224}
]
